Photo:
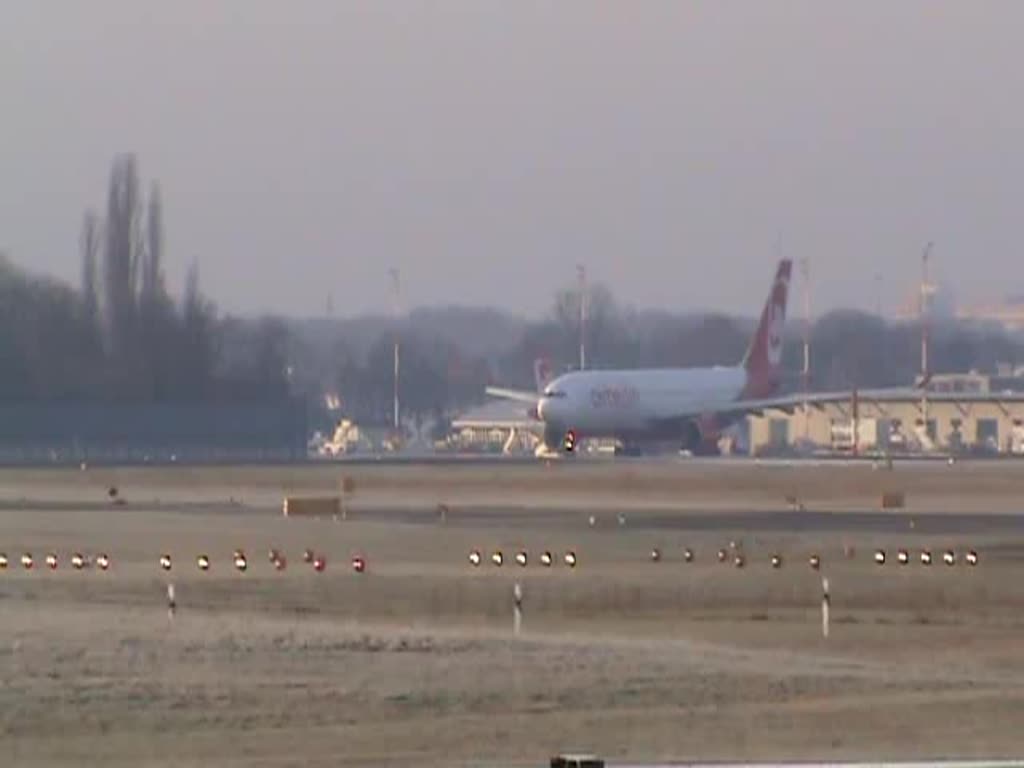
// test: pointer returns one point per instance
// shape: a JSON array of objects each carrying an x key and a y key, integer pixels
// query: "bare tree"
[
  {"x": 152, "y": 273},
  {"x": 197, "y": 351},
  {"x": 90, "y": 247},
  {"x": 121, "y": 260}
]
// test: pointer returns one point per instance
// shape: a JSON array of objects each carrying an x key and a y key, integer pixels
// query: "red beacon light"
[{"x": 569, "y": 441}]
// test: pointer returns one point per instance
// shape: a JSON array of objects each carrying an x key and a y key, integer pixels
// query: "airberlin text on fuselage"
[{"x": 614, "y": 396}]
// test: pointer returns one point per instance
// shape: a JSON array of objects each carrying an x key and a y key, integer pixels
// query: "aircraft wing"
[
  {"x": 795, "y": 400},
  {"x": 518, "y": 395}
]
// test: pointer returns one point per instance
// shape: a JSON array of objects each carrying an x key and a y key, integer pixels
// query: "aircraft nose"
[{"x": 542, "y": 406}]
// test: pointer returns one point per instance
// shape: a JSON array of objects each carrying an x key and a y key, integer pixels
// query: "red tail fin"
[
  {"x": 541, "y": 373},
  {"x": 764, "y": 357}
]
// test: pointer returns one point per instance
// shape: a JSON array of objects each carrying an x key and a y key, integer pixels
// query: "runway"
[
  {"x": 415, "y": 662},
  {"x": 432, "y": 459},
  {"x": 780, "y": 521}
]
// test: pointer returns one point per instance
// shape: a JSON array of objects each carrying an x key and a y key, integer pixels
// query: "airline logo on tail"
[
  {"x": 776, "y": 321},
  {"x": 765, "y": 354}
]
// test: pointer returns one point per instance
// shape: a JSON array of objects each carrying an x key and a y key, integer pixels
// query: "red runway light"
[{"x": 569, "y": 441}]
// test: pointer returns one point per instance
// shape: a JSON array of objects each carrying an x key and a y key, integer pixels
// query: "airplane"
[{"x": 690, "y": 407}]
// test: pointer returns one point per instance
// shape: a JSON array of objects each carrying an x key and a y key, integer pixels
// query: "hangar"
[
  {"x": 500, "y": 425},
  {"x": 967, "y": 413}
]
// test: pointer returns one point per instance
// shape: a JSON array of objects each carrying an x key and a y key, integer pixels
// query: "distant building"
[
  {"x": 961, "y": 413},
  {"x": 1008, "y": 314},
  {"x": 498, "y": 425},
  {"x": 940, "y": 305}
]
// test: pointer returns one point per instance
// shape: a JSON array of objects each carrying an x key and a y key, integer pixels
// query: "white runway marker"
[
  {"x": 517, "y": 609},
  {"x": 171, "y": 603},
  {"x": 826, "y": 601}
]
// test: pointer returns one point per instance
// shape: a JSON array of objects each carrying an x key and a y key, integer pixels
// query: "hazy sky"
[{"x": 485, "y": 148}]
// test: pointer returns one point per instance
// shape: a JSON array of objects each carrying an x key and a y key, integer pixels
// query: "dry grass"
[{"x": 413, "y": 662}]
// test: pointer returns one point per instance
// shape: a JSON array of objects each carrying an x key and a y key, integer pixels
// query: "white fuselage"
[{"x": 616, "y": 403}]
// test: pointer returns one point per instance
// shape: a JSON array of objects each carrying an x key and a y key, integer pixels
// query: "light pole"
[
  {"x": 395, "y": 308},
  {"x": 805, "y": 275},
  {"x": 923, "y": 311},
  {"x": 581, "y": 275}
]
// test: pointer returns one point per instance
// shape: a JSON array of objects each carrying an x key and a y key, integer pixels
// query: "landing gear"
[
  {"x": 569, "y": 442},
  {"x": 700, "y": 437},
  {"x": 559, "y": 441}
]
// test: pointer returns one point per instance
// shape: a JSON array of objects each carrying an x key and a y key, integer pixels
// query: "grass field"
[{"x": 414, "y": 662}]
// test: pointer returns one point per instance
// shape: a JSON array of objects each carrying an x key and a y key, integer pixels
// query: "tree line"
[
  {"x": 121, "y": 337},
  {"x": 438, "y": 377}
]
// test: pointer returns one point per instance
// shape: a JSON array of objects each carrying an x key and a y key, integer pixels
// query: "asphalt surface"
[
  {"x": 781, "y": 521},
  {"x": 636, "y": 518},
  {"x": 489, "y": 459}
]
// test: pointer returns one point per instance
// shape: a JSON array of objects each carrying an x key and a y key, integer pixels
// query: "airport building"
[
  {"x": 967, "y": 413},
  {"x": 500, "y": 425}
]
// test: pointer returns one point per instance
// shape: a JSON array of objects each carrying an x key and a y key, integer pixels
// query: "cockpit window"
[{"x": 553, "y": 393}]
